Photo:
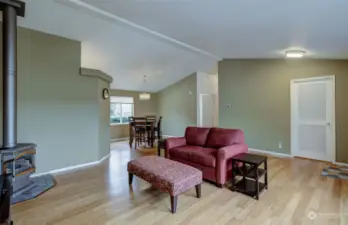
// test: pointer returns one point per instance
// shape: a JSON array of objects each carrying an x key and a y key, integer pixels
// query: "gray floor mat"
[
  {"x": 340, "y": 173},
  {"x": 42, "y": 184}
]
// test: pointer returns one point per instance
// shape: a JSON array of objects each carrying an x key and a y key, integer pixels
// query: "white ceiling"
[
  {"x": 122, "y": 51},
  {"x": 167, "y": 40},
  {"x": 243, "y": 29}
]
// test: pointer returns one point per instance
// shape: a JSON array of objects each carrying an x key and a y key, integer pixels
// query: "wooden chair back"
[
  {"x": 139, "y": 119},
  {"x": 159, "y": 128},
  {"x": 151, "y": 119},
  {"x": 139, "y": 122}
]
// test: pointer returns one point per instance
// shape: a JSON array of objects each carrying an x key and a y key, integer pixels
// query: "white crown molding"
[
  {"x": 65, "y": 169},
  {"x": 110, "y": 16},
  {"x": 95, "y": 73}
]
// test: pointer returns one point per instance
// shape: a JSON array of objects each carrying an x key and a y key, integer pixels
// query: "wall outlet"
[
  {"x": 280, "y": 144},
  {"x": 229, "y": 105}
]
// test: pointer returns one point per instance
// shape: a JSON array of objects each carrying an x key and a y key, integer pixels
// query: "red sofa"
[{"x": 208, "y": 149}]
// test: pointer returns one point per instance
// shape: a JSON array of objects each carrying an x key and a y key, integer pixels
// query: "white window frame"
[{"x": 121, "y": 122}]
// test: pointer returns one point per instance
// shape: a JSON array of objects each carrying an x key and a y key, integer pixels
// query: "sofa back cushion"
[
  {"x": 219, "y": 137},
  {"x": 196, "y": 135}
]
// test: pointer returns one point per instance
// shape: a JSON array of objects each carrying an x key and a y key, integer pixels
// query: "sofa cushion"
[
  {"x": 196, "y": 135},
  {"x": 196, "y": 154},
  {"x": 204, "y": 156},
  {"x": 182, "y": 152},
  {"x": 219, "y": 137}
]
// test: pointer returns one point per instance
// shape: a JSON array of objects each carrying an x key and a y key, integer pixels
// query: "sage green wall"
[
  {"x": 178, "y": 106},
  {"x": 259, "y": 91},
  {"x": 104, "y": 120},
  {"x": 141, "y": 108},
  {"x": 57, "y": 108}
]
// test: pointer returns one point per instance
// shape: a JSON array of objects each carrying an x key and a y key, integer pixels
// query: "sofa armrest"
[
  {"x": 174, "y": 142},
  {"x": 223, "y": 155},
  {"x": 232, "y": 150}
]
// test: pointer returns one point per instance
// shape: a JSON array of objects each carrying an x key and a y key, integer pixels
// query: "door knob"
[{"x": 328, "y": 123}]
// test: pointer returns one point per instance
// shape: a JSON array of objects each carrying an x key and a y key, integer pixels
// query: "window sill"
[{"x": 119, "y": 124}]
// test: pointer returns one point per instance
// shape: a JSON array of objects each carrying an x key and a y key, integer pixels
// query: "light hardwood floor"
[{"x": 100, "y": 195}]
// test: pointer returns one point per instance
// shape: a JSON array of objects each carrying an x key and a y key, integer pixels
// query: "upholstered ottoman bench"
[{"x": 166, "y": 175}]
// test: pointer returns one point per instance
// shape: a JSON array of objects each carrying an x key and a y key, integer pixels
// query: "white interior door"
[
  {"x": 313, "y": 118},
  {"x": 207, "y": 110}
]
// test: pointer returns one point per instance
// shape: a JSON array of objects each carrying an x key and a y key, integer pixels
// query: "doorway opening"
[{"x": 207, "y": 110}]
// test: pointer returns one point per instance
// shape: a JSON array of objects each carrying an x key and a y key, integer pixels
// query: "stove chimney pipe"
[
  {"x": 9, "y": 45},
  {"x": 10, "y": 9}
]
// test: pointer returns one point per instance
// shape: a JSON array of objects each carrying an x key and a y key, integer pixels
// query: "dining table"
[{"x": 151, "y": 135}]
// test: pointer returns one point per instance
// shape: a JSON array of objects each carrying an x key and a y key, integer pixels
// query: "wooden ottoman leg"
[
  {"x": 130, "y": 178},
  {"x": 198, "y": 190},
  {"x": 173, "y": 203}
]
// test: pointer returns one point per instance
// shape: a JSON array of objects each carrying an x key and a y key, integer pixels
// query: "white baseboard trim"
[
  {"x": 288, "y": 156},
  {"x": 65, "y": 169},
  {"x": 340, "y": 164},
  {"x": 270, "y": 153},
  {"x": 105, "y": 157},
  {"x": 119, "y": 139},
  {"x": 168, "y": 136}
]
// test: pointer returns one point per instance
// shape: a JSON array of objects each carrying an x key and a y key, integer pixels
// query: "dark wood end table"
[
  {"x": 160, "y": 145},
  {"x": 251, "y": 173}
]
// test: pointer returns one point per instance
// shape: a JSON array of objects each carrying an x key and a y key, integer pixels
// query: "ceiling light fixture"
[
  {"x": 144, "y": 95},
  {"x": 295, "y": 53}
]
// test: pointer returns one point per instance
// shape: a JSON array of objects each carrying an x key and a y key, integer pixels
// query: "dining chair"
[
  {"x": 139, "y": 124},
  {"x": 131, "y": 130},
  {"x": 158, "y": 128},
  {"x": 151, "y": 118},
  {"x": 150, "y": 129}
]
